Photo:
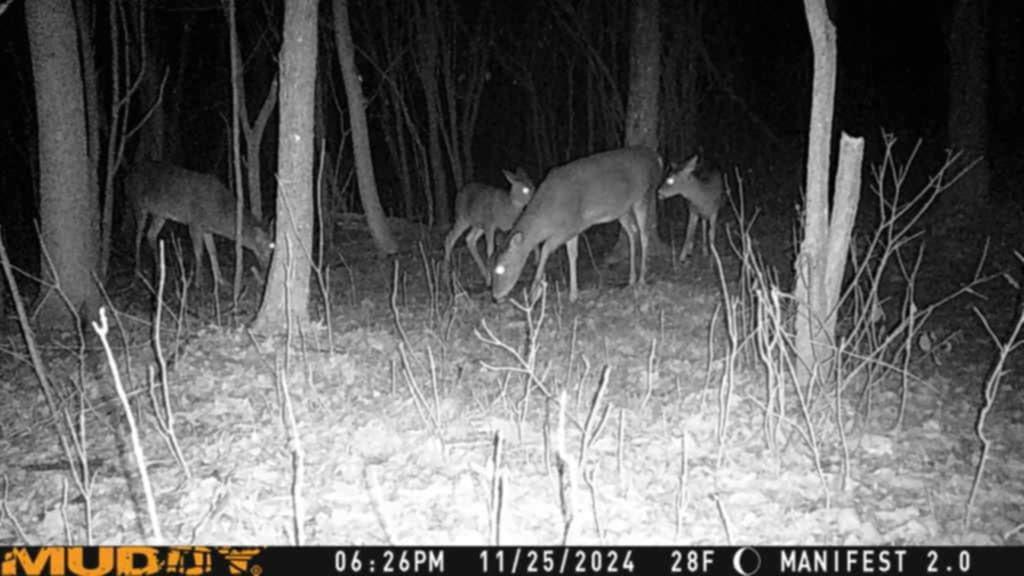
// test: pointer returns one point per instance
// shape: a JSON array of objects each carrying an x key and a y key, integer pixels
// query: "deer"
[
  {"x": 160, "y": 191},
  {"x": 607, "y": 186},
  {"x": 705, "y": 195},
  {"x": 483, "y": 210}
]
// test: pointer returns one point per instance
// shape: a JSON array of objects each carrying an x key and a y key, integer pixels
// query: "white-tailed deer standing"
[
  {"x": 705, "y": 196},
  {"x": 200, "y": 201},
  {"x": 483, "y": 210},
  {"x": 613, "y": 185}
]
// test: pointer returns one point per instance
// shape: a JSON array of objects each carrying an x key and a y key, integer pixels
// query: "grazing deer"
[
  {"x": 705, "y": 196},
  {"x": 483, "y": 210},
  {"x": 613, "y": 185},
  {"x": 165, "y": 192}
]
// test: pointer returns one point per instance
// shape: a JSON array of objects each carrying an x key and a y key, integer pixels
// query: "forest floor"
[{"x": 391, "y": 456}]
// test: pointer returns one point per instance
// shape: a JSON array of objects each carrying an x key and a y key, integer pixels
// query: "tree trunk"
[
  {"x": 94, "y": 120},
  {"x": 968, "y": 112},
  {"x": 399, "y": 151},
  {"x": 173, "y": 100},
  {"x": 253, "y": 141},
  {"x": 427, "y": 67},
  {"x": 810, "y": 262},
  {"x": 253, "y": 130},
  {"x": 235, "y": 165},
  {"x": 68, "y": 212},
  {"x": 152, "y": 136},
  {"x": 679, "y": 133},
  {"x": 360, "y": 136},
  {"x": 286, "y": 300},
  {"x": 642, "y": 106}
]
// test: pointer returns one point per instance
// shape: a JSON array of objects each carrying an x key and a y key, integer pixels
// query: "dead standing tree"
[{"x": 822, "y": 259}]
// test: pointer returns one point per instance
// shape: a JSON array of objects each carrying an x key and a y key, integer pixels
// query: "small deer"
[
  {"x": 165, "y": 192},
  {"x": 705, "y": 195},
  {"x": 483, "y": 210},
  {"x": 613, "y": 185}
]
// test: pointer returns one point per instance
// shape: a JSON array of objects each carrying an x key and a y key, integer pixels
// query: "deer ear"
[
  {"x": 518, "y": 177},
  {"x": 690, "y": 164}
]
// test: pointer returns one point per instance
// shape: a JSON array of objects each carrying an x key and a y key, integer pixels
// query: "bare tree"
[
  {"x": 387, "y": 51},
  {"x": 253, "y": 130},
  {"x": 427, "y": 55},
  {"x": 286, "y": 298},
  {"x": 642, "y": 107},
  {"x": 69, "y": 213},
  {"x": 237, "y": 95},
  {"x": 822, "y": 259},
  {"x": 968, "y": 110},
  {"x": 360, "y": 136},
  {"x": 84, "y": 18}
]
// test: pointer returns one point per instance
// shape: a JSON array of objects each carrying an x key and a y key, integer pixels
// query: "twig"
[
  {"x": 566, "y": 474},
  {"x": 140, "y": 458},
  {"x": 650, "y": 373},
  {"x": 723, "y": 515},
  {"x": 163, "y": 410},
  {"x": 594, "y": 403},
  {"x": 588, "y": 478},
  {"x": 298, "y": 455},
  {"x": 991, "y": 392},
  {"x": 621, "y": 437},
  {"x": 682, "y": 491},
  {"x": 10, "y": 515},
  {"x": 377, "y": 500},
  {"x": 497, "y": 490}
]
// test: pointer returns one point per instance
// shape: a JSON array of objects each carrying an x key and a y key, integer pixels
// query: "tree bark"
[
  {"x": 810, "y": 262},
  {"x": 252, "y": 129},
  {"x": 93, "y": 121},
  {"x": 286, "y": 300},
  {"x": 968, "y": 112},
  {"x": 360, "y": 135},
  {"x": 69, "y": 214},
  {"x": 679, "y": 110},
  {"x": 235, "y": 163},
  {"x": 152, "y": 136},
  {"x": 427, "y": 68},
  {"x": 642, "y": 107}
]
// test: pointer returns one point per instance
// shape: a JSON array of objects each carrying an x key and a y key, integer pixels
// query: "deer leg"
[
  {"x": 691, "y": 229},
  {"x": 712, "y": 222},
  {"x": 449, "y": 243},
  {"x": 640, "y": 214},
  {"x": 211, "y": 248},
  {"x": 155, "y": 225},
  {"x": 629, "y": 227},
  {"x": 542, "y": 260},
  {"x": 572, "y": 249},
  {"x": 196, "y": 235},
  {"x": 472, "y": 239}
]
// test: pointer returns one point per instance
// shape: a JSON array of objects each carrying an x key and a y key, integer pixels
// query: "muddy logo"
[{"x": 127, "y": 560}]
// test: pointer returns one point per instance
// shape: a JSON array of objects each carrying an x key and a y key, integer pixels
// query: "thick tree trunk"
[
  {"x": 152, "y": 136},
  {"x": 286, "y": 298},
  {"x": 93, "y": 121},
  {"x": 810, "y": 262},
  {"x": 360, "y": 135},
  {"x": 642, "y": 106},
  {"x": 68, "y": 212},
  {"x": 426, "y": 35},
  {"x": 968, "y": 111}
]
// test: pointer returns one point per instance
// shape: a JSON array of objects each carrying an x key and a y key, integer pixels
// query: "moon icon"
[{"x": 746, "y": 561}]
